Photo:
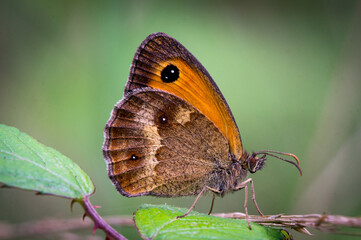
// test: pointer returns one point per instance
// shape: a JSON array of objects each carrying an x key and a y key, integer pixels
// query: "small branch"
[
  {"x": 99, "y": 221},
  {"x": 322, "y": 222}
]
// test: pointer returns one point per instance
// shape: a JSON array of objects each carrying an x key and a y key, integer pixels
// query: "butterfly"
[{"x": 173, "y": 133}]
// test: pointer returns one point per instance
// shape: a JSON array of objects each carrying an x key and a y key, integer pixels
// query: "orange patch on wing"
[{"x": 193, "y": 87}]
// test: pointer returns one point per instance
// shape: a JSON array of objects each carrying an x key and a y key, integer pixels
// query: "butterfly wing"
[
  {"x": 194, "y": 84},
  {"x": 158, "y": 144}
]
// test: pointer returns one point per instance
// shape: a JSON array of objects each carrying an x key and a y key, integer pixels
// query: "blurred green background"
[{"x": 290, "y": 71}]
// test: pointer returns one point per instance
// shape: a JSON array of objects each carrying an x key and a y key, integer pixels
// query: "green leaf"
[
  {"x": 25, "y": 163},
  {"x": 160, "y": 222}
]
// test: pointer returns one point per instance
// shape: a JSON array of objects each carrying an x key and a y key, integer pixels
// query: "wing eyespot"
[
  {"x": 170, "y": 74},
  {"x": 163, "y": 119},
  {"x": 134, "y": 157}
]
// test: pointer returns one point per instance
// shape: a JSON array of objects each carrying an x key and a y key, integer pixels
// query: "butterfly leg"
[
  {"x": 245, "y": 204},
  {"x": 244, "y": 185},
  {"x": 210, "y": 210},
  {"x": 197, "y": 198}
]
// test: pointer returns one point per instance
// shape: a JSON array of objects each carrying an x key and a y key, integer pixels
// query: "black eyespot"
[
  {"x": 163, "y": 119},
  {"x": 134, "y": 157},
  {"x": 170, "y": 74}
]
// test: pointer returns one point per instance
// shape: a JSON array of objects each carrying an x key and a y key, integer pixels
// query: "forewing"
[{"x": 194, "y": 84}]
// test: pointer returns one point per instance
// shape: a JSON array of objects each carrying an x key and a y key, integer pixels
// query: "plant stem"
[
  {"x": 99, "y": 221},
  {"x": 322, "y": 222}
]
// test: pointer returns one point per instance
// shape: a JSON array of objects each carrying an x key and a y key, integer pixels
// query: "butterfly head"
[
  {"x": 253, "y": 163},
  {"x": 256, "y": 161}
]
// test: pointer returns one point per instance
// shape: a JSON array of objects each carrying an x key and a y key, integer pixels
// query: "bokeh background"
[{"x": 290, "y": 71}]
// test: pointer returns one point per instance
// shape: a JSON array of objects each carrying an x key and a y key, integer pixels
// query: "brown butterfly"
[{"x": 173, "y": 133}]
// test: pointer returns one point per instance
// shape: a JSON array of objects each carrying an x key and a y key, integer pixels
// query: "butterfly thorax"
[
  {"x": 229, "y": 179},
  {"x": 226, "y": 180}
]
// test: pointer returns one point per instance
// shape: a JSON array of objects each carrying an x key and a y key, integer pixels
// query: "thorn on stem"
[
  {"x": 95, "y": 228},
  {"x": 72, "y": 204},
  {"x": 303, "y": 230}
]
